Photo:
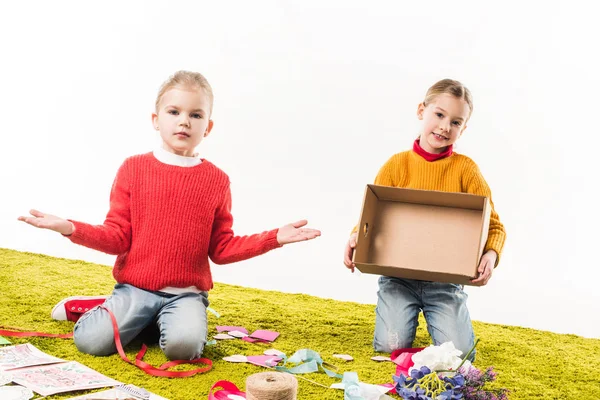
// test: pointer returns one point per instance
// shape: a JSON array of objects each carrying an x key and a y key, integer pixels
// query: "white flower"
[{"x": 438, "y": 358}]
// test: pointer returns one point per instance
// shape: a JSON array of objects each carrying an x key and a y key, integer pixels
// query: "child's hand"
[
  {"x": 348, "y": 251},
  {"x": 486, "y": 267},
  {"x": 294, "y": 232},
  {"x": 48, "y": 221}
]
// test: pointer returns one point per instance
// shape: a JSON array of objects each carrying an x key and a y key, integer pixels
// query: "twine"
[{"x": 271, "y": 386}]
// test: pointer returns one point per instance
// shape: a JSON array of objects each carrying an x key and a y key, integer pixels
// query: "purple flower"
[
  {"x": 418, "y": 394},
  {"x": 450, "y": 395},
  {"x": 404, "y": 381},
  {"x": 419, "y": 373},
  {"x": 456, "y": 381}
]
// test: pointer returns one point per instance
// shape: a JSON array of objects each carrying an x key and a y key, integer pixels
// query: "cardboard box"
[{"x": 421, "y": 234}]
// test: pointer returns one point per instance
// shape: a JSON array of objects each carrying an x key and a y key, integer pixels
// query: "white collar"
[{"x": 169, "y": 158}]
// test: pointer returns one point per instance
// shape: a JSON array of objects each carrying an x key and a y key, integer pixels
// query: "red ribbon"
[
  {"x": 147, "y": 368},
  {"x": 227, "y": 388}
]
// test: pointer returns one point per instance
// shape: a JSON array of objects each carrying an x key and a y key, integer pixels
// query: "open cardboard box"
[{"x": 421, "y": 234}]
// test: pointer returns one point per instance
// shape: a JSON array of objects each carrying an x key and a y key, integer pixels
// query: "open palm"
[
  {"x": 295, "y": 232},
  {"x": 48, "y": 221}
]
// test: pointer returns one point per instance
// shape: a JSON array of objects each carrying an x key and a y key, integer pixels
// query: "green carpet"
[{"x": 531, "y": 364}]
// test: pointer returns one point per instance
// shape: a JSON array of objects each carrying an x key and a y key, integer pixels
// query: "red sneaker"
[{"x": 72, "y": 308}]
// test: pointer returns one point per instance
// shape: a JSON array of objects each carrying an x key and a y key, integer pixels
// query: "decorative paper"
[
  {"x": 4, "y": 379},
  {"x": 126, "y": 392},
  {"x": 24, "y": 355},
  {"x": 57, "y": 378},
  {"x": 15, "y": 393}
]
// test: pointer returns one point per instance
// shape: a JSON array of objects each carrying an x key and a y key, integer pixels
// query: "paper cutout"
[
  {"x": 269, "y": 336},
  {"x": 50, "y": 379},
  {"x": 264, "y": 361},
  {"x": 274, "y": 352},
  {"x": 346, "y": 357},
  {"x": 381, "y": 358},
  {"x": 24, "y": 355},
  {"x": 261, "y": 360},
  {"x": 15, "y": 393},
  {"x": 223, "y": 336},
  {"x": 213, "y": 312},
  {"x": 3, "y": 340},
  {"x": 403, "y": 359},
  {"x": 224, "y": 328},
  {"x": 236, "y": 358},
  {"x": 258, "y": 336},
  {"x": 261, "y": 336}
]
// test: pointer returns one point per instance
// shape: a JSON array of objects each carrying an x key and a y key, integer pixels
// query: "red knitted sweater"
[{"x": 165, "y": 221}]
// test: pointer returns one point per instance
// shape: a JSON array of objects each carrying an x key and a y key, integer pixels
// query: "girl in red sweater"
[{"x": 170, "y": 210}]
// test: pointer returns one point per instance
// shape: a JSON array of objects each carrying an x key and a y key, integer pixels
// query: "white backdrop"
[{"x": 311, "y": 98}]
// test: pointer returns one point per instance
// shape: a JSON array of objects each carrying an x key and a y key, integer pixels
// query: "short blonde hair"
[
  {"x": 452, "y": 87},
  {"x": 186, "y": 79}
]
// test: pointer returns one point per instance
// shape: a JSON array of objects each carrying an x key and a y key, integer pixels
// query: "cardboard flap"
[
  {"x": 485, "y": 227},
  {"x": 365, "y": 225},
  {"x": 429, "y": 197}
]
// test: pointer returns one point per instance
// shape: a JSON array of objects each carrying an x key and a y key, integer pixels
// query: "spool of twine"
[{"x": 271, "y": 386}]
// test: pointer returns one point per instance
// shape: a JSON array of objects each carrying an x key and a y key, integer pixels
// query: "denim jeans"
[
  {"x": 181, "y": 321},
  {"x": 444, "y": 305}
]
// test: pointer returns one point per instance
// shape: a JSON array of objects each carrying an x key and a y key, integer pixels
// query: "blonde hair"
[
  {"x": 186, "y": 79},
  {"x": 452, "y": 87}
]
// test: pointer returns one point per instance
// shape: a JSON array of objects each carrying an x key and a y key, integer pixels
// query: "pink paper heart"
[{"x": 269, "y": 336}]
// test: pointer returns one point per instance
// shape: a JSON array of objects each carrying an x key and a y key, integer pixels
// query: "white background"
[{"x": 311, "y": 98}]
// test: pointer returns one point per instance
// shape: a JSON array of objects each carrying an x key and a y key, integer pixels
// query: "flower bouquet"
[{"x": 439, "y": 373}]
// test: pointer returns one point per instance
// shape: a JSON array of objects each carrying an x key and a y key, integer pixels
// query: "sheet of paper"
[
  {"x": 117, "y": 393},
  {"x": 4, "y": 379},
  {"x": 24, "y": 355},
  {"x": 58, "y": 378},
  {"x": 15, "y": 393}
]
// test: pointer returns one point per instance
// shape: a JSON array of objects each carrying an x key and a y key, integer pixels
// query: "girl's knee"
[
  {"x": 183, "y": 346},
  {"x": 388, "y": 341},
  {"x": 94, "y": 344}
]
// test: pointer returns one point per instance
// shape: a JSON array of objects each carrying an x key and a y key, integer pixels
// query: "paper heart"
[
  {"x": 223, "y": 336},
  {"x": 236, "y": 358},
  {"x": 346, "y": 357}
]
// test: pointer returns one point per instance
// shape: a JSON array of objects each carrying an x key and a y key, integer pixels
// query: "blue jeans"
[
  {"x": 444, "y": 305},
  {"x": 180, "y": 319}
]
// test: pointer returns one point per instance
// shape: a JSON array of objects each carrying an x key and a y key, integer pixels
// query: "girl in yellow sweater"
[{"x": 432, "y": 165}]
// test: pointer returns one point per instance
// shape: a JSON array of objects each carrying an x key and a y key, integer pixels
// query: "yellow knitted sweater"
[{"x": 456, "y": 173}]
